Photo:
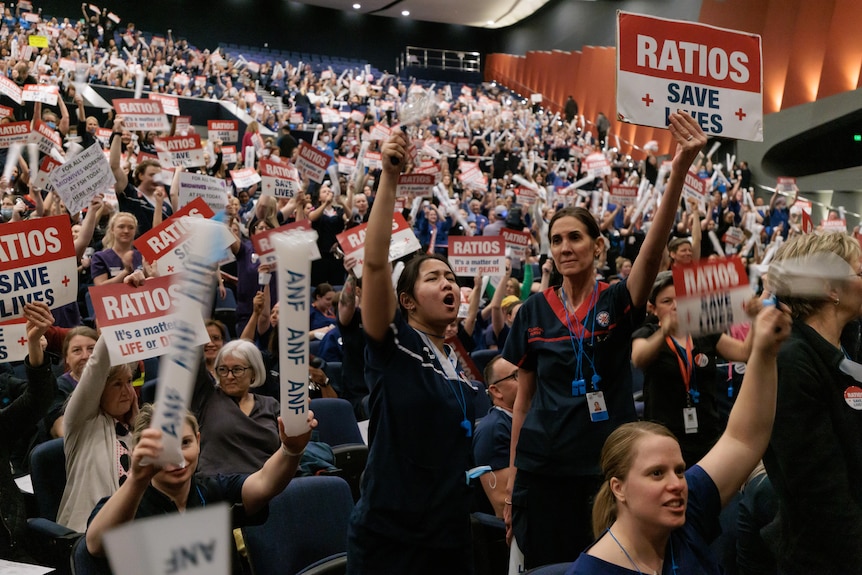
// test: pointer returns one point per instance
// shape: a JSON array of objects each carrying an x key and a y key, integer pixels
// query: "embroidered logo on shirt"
[
  {"x": 535, "y": 331},
  {"x": 603, "y": 318}
]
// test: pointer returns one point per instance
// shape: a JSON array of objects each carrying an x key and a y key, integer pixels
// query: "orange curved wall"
[{"x": 810, "y": 50}]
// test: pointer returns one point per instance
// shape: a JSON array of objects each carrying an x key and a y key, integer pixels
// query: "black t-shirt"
[
  {"x": 134, "y": 202},
  {"x": 665, "y": 395}
]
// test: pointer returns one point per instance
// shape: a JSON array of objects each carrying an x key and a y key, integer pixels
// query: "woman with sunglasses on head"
[
  {"x": 653, "y": 516},
  {"x": 572, "y": 346}
]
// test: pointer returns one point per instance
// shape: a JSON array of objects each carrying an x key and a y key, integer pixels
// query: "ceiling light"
[
  {"x": 357, "y": 6},
  {"x": 405, "y": 12},
  {"x": 490, "y": 22}
]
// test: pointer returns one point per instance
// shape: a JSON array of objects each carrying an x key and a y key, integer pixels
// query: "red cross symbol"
[
  {"x": 65, "y": 281},
  {"x": 739, "y": 113},
  {"x": 647, "y": 100},
  {"x": 170, "y": 269},
  {"x": 23, "y": 340}
]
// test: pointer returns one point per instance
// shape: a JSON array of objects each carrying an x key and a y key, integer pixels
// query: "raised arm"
[
  {"x": 122, "y": 179},
  {"x": 347, "y": 301},
  {"x": 84, "y": 401},
  {"x": 88, "y": 225},
  {"x": 749, "y": 428},
  {"x": 379, "y": 307},
  {"x": 690, "y": 139},
  {"x": 276, "y": 473}
]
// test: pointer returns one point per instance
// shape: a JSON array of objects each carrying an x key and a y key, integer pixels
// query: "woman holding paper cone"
[
  {"x": 814, "y": 460},
  {"x": 572, "y": 346},
  {"x": 414, "y": 513},
  {"x": 96, "y": 425},
  {"x": 154, "y": 490}
]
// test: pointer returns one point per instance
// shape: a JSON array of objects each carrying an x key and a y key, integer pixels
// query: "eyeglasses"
[
  {"x": 237, "y": 371},
  {"x": 513, "y": 375}
]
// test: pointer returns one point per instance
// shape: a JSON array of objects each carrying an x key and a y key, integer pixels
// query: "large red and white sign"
[
  {"x": 710, "y": 296},
  {"x": 179, "y": 151},
  {"x": 170, "y": 104},
  {"x": 525, "y": 195},
  {"x": 46, "y": 166},
  {"x": 45, "y": 137},
  {"x": 137, "y": 322},
  {"x": 838, "y": 225},
  {"x": 414, "y": 185},
  {"x": 224, "y": 130},
  {"x": 278, "y": 178},
  {"x": 694, "y": 188},
  {"x": 624, "y": 195},
  {"x": 165, "y": 245},
  {"x": 312, "y": 162},
  {"x": 244, "y": 178},
  {"x": 10, "y": 89},
  {"x": 470, "y": 256},
  {"x": 44, "y": 93},
  {"x": 352, "y": 243},
  {"x": 712, "y": 73},
  {"x": 517, "y": 242},
  {"x": 14, "y": 133},
  {"x": 142, "y": 114},
  {"x": 82, "y": 176},
  {"x": 37, "y": 263},
  {"x": 596, "y": 165},
  {"x": 13, "y": 341},
  {"x": 264, "y": 246}
]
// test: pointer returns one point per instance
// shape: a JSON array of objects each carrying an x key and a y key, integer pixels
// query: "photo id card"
[
  {"x": 598, "y": 408},
  {"x": 689, "y": 417}
]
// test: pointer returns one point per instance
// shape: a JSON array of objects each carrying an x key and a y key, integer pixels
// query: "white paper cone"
[{"x": 294, "y": 293}]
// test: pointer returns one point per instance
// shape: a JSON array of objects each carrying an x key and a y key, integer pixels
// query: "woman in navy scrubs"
[
  {"x": 413, "y": 516},
  {"x": 572, "y": 346}
]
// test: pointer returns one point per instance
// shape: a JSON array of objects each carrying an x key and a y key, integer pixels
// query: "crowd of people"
[{"x": 587, "y": 306}]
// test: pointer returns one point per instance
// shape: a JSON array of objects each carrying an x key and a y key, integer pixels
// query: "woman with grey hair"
[{"x": 241, "y": 427}]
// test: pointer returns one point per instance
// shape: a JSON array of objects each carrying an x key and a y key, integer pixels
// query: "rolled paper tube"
[
  {"x": 11, "y": 160},
  {"x": 715, "y": 243},
  {"x": 713, "y": 149},
  {"x": 294, "y": 295},
  {"x": 178, "y": 368},
  {"x": 33, "y": 158}
]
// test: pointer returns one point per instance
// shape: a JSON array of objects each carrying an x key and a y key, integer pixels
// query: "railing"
[{"x": 439, "y": 59}]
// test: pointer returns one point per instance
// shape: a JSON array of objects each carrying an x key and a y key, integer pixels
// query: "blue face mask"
[
  {"x": 6, "y": 213},
  {"x": 51, "y": 125}
]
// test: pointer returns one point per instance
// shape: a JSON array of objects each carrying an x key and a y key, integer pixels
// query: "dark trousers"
[
  {"x": 370, "y": 553},
  {"x": 552, "y": 516}
]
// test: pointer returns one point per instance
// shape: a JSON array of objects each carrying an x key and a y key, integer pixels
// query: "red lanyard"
[{"x": 686, "y": 362}]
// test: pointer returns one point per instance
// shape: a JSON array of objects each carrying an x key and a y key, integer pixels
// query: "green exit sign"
[{"x": 857, "y": 137}]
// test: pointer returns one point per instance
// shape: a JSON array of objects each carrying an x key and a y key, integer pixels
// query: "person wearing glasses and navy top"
[
  {"x": 679, "y": 372},
  {"x": 414, "y": 512},
  {"x": 493, "y": 436},
  {"x": 572, "y": 346}
]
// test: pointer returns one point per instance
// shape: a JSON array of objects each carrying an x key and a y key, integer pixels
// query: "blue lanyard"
[{"x": 579, "y": 350}]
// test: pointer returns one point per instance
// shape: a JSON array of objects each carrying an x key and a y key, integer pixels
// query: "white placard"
[
  {"x": 82, "y": 177},
  {"x": 212, "y": 190},
  {"x": 197, "y": 542}
]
